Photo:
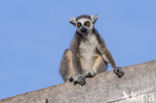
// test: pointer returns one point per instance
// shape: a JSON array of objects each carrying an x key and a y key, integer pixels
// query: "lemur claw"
[
  {"x": 90, "y": 74},
  {"x": 119, "y": 72}
]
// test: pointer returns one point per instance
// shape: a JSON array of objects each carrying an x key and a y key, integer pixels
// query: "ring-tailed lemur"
[{"x": 87, "y": 54}]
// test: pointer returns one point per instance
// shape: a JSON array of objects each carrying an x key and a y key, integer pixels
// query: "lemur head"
[{"x": 84, "y": 23}]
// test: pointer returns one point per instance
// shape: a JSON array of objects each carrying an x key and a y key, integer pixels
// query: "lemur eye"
[
  {"x": 87, "y": 23},
  {"x": 79, "y": 25}
]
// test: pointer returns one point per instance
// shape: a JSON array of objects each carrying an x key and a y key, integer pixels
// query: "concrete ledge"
[{"x": 137, "y": 86}]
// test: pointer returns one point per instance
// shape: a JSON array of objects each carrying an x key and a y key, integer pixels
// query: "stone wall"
[{"x": 138, "y": 85}]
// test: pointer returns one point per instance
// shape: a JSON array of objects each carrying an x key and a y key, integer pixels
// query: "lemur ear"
[
  {"x": 94, "y": 18},
  {"x": 72, "y": 21}
]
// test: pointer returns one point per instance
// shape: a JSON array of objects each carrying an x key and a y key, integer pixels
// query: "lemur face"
[{"x": 84, "y": 23}]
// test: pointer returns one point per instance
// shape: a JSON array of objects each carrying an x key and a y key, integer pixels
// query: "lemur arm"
[
  {"x": 97, "y": 63},
  {"x": 107, "y": 55},
  {"x": 108, "y": 58}
]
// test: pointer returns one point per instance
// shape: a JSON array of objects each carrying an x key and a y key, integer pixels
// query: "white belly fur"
[{"x": 88, "y": 52}]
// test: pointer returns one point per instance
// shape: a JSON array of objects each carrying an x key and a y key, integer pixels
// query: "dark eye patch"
[
  {"x": 87, "y": 23},
  {"x": 79, "y": 24}
]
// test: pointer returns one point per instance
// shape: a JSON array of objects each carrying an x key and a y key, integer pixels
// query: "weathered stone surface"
[{"x": 138, "y": 84}]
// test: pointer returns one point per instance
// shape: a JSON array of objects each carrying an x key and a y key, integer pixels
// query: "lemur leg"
[
  {"x": 95, "y": 66},
  {"x": 68, "y": 71},
  {"x": 66, "y": 67},
  {"x": 108, "y": 57}
]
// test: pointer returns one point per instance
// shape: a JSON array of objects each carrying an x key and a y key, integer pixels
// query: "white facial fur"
[{"x": 82, "y": 21}]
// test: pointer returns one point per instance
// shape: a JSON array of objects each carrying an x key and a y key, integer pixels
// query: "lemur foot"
[
  {"x": 70, "y": 79},
  {"x": 80, "y": 79},
  {"x": 119, "y": 72},
  {"x": 90, "y": 74}
]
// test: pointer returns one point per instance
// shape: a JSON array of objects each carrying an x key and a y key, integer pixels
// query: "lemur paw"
[
  {"x": 119, "y": 72},
  {"x": 80, "y": 79},
  {"x": 90, "y": 74}
]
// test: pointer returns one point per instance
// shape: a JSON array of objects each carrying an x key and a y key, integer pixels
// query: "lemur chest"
[{"x": 88, "y": 51}]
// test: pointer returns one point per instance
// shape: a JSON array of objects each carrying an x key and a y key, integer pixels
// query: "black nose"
[{"x": 83, "y": 30}]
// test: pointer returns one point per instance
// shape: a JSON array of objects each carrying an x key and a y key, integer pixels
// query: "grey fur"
[{"x": 87, "y": 56}]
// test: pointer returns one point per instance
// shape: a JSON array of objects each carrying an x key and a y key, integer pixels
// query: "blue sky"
[{"x": 34, "y": 34}]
